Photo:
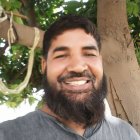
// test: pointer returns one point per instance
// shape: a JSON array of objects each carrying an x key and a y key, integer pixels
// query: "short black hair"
[{"x": 65, "y": 23}]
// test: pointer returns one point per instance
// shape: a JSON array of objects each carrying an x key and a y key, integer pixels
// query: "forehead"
[{"x": 74, "y": 38}]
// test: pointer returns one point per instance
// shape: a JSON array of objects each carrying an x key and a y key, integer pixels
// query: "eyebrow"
[
  {"x": 90, "y": 48},
  {"x": 65, "y": 48},
  {"x": 60, "y": 48}
]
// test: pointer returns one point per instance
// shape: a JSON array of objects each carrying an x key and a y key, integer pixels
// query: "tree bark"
[{"x": 120, "y": 62}]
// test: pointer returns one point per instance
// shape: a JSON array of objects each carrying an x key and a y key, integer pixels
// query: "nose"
[{"x": 77, "y": 65}]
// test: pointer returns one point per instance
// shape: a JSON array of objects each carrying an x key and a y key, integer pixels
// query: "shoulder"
[
  {"x": 32, "y": 126},
  {"x": 120, "y": 128},
  {"x": 28, "y": 118},
  {"x": 115, "y": 122},
  {"x": 18, "y": 125}
]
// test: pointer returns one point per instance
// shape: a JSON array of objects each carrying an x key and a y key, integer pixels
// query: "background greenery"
[{"x": 41, "y": 13}]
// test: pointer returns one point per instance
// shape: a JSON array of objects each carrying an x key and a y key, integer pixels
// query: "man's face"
[{"x": 74, "y": 51}]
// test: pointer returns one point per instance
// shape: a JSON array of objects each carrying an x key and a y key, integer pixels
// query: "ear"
[{"x": 43, "y": 65}]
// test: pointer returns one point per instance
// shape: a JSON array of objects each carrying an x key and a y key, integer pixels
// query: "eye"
[
  {"x": 90, "y": 54},
  {"x": 60, "y": 56}
]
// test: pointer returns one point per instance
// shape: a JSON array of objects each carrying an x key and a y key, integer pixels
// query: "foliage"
[
  {"x": 133, "y": 11},
  {"x": 13, "y": 61}
]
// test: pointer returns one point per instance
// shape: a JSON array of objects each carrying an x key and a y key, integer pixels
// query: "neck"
[{"x": 78, "y": 128}]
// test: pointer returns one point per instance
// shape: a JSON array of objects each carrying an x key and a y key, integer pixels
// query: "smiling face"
[
  {"x": 74, "y": 51},
  {"x": 73, "y": 81}
]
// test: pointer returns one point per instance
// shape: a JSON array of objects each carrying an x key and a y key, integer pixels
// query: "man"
[{"x": 75, "y": 87}]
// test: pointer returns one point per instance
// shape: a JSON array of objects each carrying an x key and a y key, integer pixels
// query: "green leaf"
[
  {"x": 31, "y": 100},
  {"x": 11, "y": 104},
  {"x": 72, "y": 6}
]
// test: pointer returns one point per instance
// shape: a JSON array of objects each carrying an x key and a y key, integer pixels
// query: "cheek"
[
  {"x": 96, "y": 68},
  {"x": 54, "y": 70}
]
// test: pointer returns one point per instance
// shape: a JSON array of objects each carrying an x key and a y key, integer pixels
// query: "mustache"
[{"x": 76, "y": 74}]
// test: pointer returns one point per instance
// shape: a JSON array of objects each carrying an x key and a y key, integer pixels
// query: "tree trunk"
[{"x": 120, "y": 62}]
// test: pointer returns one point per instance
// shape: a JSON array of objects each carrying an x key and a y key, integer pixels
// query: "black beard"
[{"x": 88, "y": 112}]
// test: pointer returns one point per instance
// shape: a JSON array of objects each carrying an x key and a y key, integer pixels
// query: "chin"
[
  {"x": 81, "y": 107},
  {"x": 77, "y": 97}
]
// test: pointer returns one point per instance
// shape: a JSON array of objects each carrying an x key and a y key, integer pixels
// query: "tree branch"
[
  {"x": 17, "y": 14},
  {"x": 30, "y": 12},
  {"x": 25, "y": 33}
]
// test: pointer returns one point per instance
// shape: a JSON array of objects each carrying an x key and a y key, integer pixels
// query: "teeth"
[{"x": 77, "y": 82}]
